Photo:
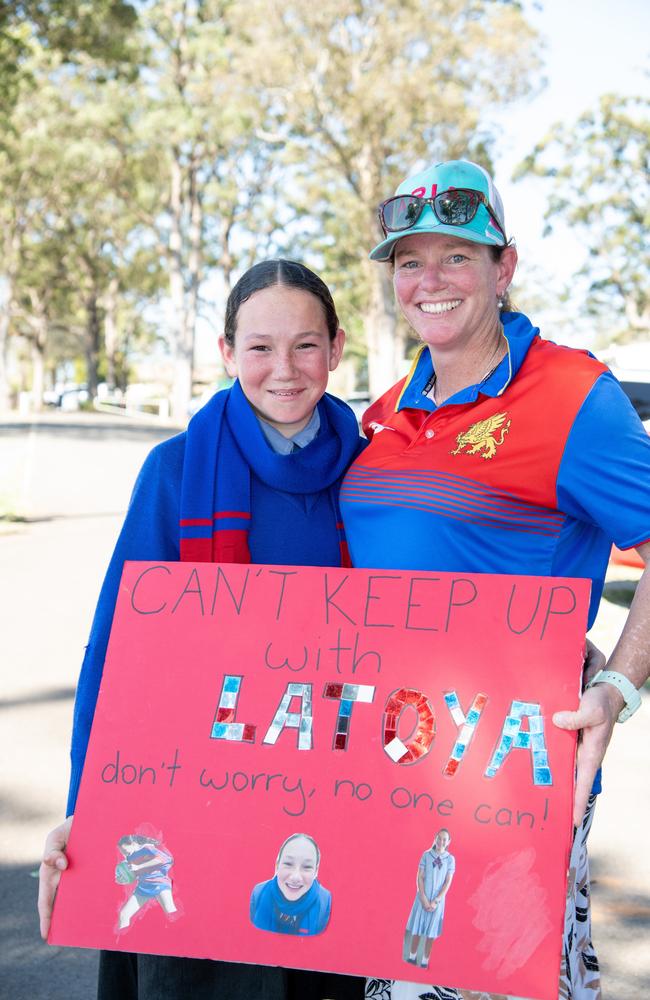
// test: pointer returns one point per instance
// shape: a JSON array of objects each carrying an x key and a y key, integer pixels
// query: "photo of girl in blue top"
[
  {"x": 435, "y": 872},
  {"x": 293, "y": 901},
  {"x": 255, "y": 478},
  {"x": 147, "y": 862}
]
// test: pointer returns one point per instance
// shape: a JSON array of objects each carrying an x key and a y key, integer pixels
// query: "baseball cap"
[{"x": 435, "y": 180}]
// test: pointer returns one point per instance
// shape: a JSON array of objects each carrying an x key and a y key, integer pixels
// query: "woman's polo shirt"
[{"x": 534, "y": 471}]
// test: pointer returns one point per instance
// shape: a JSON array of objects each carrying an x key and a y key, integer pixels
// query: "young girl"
[
  {"x": 293, "y": 901},
  {"x": 148, "y": 862},
  {"x": 435, "y": 872},
  {"x": 254, "y": 479}
]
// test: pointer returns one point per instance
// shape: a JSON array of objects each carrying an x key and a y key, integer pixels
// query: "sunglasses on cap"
[{"x": 455, "y": 207}]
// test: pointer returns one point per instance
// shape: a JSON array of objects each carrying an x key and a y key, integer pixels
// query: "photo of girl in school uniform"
[
  {"x": 146, "y": 864},
  {"x": 435, "y": 872},
  {"x": 293, "y": 901}
]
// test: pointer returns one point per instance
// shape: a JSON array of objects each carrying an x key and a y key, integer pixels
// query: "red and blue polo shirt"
[{"x": 534, "y": 471}]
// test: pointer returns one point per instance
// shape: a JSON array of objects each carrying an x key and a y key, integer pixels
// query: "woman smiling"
[{"x": 506, "y": 454}]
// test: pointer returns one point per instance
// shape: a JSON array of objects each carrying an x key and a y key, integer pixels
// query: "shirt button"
[{"x": 429, "y": 434}]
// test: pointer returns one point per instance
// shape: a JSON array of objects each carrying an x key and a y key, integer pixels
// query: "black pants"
[{"x": 123, "y": 976}]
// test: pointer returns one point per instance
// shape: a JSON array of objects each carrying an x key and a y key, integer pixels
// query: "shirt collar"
[
  {"x": 519, "y": 334},
  {"x": 282, "y": 445}
]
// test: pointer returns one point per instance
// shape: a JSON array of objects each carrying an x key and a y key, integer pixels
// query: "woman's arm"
[{"x": 600, "y": 705}]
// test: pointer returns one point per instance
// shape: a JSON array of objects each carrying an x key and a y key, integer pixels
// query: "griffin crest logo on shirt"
[
  {"x": 481, "y": 437},
  {"x": 376, "y": 428}
]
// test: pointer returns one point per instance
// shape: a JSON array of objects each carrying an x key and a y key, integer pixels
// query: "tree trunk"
[
  {"x": 10, "y": 258},
  {"x": 384, "y": 341},
  {"x": 194, "y": 259},
  {"x": 111, "y": 335},
  {"x": 182, "y": 351},
  {"x": 93, "y": 340},
  {"x": 385, "y": 344},
  {"x": 38, "y": 374},
  {"x": 5, "y": 300}
]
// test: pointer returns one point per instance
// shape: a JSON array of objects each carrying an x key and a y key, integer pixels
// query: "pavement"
[{"x": 69, "y": 478}]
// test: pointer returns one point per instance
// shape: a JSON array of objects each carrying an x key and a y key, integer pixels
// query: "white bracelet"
[{"x": 622, "y": 684}]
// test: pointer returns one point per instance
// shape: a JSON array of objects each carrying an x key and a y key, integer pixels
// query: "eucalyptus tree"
[
  {"x": 69, "y": 30},
  {"x": 70, "y": 191},
  {"x": 366, "y": 90},
  {"x": 598, "y": 169},
  {"x": 202, "y": 127}
]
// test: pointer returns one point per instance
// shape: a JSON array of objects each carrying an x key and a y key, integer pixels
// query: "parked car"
[{"x": 639, "y": 395}]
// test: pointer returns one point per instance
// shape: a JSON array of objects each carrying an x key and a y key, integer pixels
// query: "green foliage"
[
  {"x": 71, "y": 30},
  {"x": 150, "y": 155},
  {"x": 598, "y": 171},
  {"x": 364, "y": 92}
]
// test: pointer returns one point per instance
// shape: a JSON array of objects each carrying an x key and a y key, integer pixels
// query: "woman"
[
  {"x": 435, "y": 872},
  {"x": 293, "y": 901},
  {"x": 149, "y": 863},
  {"x": 501, "y": 452},
  {"x": 254, "y": 479}
]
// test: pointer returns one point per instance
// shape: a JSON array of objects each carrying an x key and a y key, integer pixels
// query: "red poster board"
[{"x": 242, "y": 705}]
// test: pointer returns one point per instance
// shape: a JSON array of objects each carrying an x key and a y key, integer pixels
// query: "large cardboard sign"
[{"x": 332, "y": 769}]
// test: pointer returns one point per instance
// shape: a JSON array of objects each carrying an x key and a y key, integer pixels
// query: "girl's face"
[
  {"x": 128, "y": 848},
  {"x": 441, "y": 843},
  {"x": 282, "y": 355},
  {"x": 447, "y": 288},
  {"x": 297, "y": 868}
]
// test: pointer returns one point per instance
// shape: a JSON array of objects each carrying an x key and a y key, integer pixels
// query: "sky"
[{"x": 592, "y": 48}]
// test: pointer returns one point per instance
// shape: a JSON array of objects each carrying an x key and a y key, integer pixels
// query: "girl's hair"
[
  {"x": 296, "y": 836},
  {"x": 289, "y": 273},
  {"x": 136, "y": 838}
]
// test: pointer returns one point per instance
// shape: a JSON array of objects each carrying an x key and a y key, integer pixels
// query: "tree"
[
  {"x": 200, "y": 126},
  {"x": 363, "y": 91},
  {"x": 598, "y": 169},
  {"x": 70, "y": 191},
  {"x": 68, "y": 28}
]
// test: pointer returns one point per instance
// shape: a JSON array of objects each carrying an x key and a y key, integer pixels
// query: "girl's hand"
[{"x": 53, "y": 863}]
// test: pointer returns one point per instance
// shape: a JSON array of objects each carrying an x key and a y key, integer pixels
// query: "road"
[{"x": 71, "y": 478}]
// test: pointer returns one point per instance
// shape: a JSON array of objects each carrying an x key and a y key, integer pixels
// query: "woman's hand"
[
  {"x": 596, "y": 715},
  {"x": 590, "y": 755},
  {"x": 601, "y": 705},
  {"x": 53, "y": 863}
]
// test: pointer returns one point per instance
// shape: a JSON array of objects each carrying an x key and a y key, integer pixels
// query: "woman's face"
[
  {"x": 447, "y": 288},
  {"x": 282, "y": 355},
  {"x": 297, "y": 868}
]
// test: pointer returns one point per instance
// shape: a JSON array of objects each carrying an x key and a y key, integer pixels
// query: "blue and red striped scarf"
[{"x": 224, "y": 445}]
